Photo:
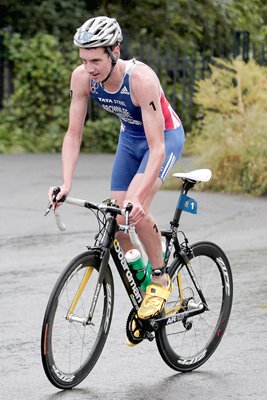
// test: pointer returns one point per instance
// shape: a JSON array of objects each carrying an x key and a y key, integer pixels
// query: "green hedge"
[
  {"x": 35, "y": 117},
  {"x": 101, "y": 136}
]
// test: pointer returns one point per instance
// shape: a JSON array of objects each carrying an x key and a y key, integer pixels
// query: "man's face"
[{"x": 97, "y": 63}]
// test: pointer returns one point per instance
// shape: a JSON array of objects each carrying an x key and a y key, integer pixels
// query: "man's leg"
[
  {"x": 159, "y": 291},
  {"x": 148, "y": 231}
]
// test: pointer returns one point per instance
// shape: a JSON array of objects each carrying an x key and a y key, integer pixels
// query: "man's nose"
[{"x": 89, "y": 68}]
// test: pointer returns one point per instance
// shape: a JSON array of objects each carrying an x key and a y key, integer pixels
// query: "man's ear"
[{"x": 116, "y": 51}]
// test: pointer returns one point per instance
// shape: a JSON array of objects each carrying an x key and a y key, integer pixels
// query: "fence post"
[
  {"x": 1, "y": 71},
  {"x": 241, "y": 44},
  {"x": 6, "y": 70}
]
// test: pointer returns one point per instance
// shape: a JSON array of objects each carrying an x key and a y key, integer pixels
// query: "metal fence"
[{"x": 177, "y": 70}]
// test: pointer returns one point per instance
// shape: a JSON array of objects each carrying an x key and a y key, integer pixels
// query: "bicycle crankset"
[{"x": 135, "y": 329}]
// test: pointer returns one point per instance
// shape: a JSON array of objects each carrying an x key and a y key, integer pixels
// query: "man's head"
[{"x": 99, "y": 32}]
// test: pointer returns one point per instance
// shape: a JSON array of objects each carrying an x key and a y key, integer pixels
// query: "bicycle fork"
[
  {"x": 70, "y": 314},
  {"x": 87, "y": 320}
]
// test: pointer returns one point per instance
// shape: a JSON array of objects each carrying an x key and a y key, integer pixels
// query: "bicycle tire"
[
  {"x": 71, "y": 349},
  {"x": 185, "y": 347}
]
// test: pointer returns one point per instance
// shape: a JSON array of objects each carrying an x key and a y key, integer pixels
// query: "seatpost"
[{"x": 187, "y": 185}]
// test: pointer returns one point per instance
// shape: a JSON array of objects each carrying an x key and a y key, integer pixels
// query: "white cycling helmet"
[{"x": 98, "y": 32}]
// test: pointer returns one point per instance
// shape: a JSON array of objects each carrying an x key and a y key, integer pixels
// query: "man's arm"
[
  {"x": 79, "y": 89},
  {"x": 146, "y": 93}
]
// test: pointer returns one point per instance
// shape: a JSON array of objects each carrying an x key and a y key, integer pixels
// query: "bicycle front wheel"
[
  {"x": 187, "y": 344},
  {"x": 70, "y": 347}
]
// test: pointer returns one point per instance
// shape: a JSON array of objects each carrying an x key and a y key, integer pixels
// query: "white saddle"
[{"x": 199, "y": 175}]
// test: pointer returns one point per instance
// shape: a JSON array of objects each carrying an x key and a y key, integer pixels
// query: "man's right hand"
[{"x": 55, "y": 193}]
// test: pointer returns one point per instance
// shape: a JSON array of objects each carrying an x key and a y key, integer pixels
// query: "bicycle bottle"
[{"x": 142, "y": 273}]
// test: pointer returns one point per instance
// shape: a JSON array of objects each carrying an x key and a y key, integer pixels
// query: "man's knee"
[{"x": 146, "y": 221}]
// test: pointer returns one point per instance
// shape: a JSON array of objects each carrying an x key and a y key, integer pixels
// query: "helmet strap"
[{"x": 113, "y": 63}]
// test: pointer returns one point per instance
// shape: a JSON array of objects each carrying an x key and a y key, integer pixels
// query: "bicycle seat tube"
[{"x": 187, "y": 185}]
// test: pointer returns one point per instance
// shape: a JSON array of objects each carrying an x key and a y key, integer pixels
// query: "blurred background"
[{"x": 210, "y": 56}]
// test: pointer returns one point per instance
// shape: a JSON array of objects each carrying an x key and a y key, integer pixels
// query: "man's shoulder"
[
  {"x": 80, "y": 80},
  {"x": 143, "y": 72},
  {"x": 79, "y": 75},
  {"x": 79, "y": 71},
  {"x": 143, "y": 76}
]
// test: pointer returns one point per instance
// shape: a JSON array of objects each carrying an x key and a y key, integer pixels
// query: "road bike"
[{"x": 79, "y": 312}]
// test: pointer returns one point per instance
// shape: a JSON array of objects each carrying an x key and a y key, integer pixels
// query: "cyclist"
[{"x": 150, "y": 141}]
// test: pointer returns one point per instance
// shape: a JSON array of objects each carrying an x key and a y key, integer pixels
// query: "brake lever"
[
  {"x": 48, "y": 209},
  {"x": 55, "y": 193},
  {"x": 125, "y": 228}
]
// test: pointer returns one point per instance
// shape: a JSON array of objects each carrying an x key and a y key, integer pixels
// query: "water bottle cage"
[
  {"x": 158, "y": 272},
  {"x": 138, "y": 280}
]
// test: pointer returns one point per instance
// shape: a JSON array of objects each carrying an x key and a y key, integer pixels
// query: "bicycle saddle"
[{"x": 199, "y": 175}]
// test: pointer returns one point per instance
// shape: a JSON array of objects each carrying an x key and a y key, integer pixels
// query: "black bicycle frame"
[{"x": 109, "y": 245}]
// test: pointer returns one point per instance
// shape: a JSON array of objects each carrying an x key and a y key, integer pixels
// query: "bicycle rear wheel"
[
  {"x": 188, "y": 344},
  {"x": 69, "y": 347}
]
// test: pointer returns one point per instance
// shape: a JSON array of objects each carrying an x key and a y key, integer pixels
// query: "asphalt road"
[{"x": 33, "y": 252}]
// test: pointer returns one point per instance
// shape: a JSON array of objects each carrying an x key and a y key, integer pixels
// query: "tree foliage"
[
  {"x": 175, "y": 21},
  {"x": 55, "y": 17},
  {"x": 233, "y": 140}
]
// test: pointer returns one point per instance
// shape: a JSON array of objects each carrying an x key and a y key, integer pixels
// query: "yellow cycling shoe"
[{"x": 155, "y": 299}]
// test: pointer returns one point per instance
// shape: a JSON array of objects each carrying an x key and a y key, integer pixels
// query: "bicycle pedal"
[{"x": 149, "y": 336}]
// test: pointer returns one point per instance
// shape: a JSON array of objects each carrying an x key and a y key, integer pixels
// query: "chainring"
[{"x": 134, "y": 330}]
